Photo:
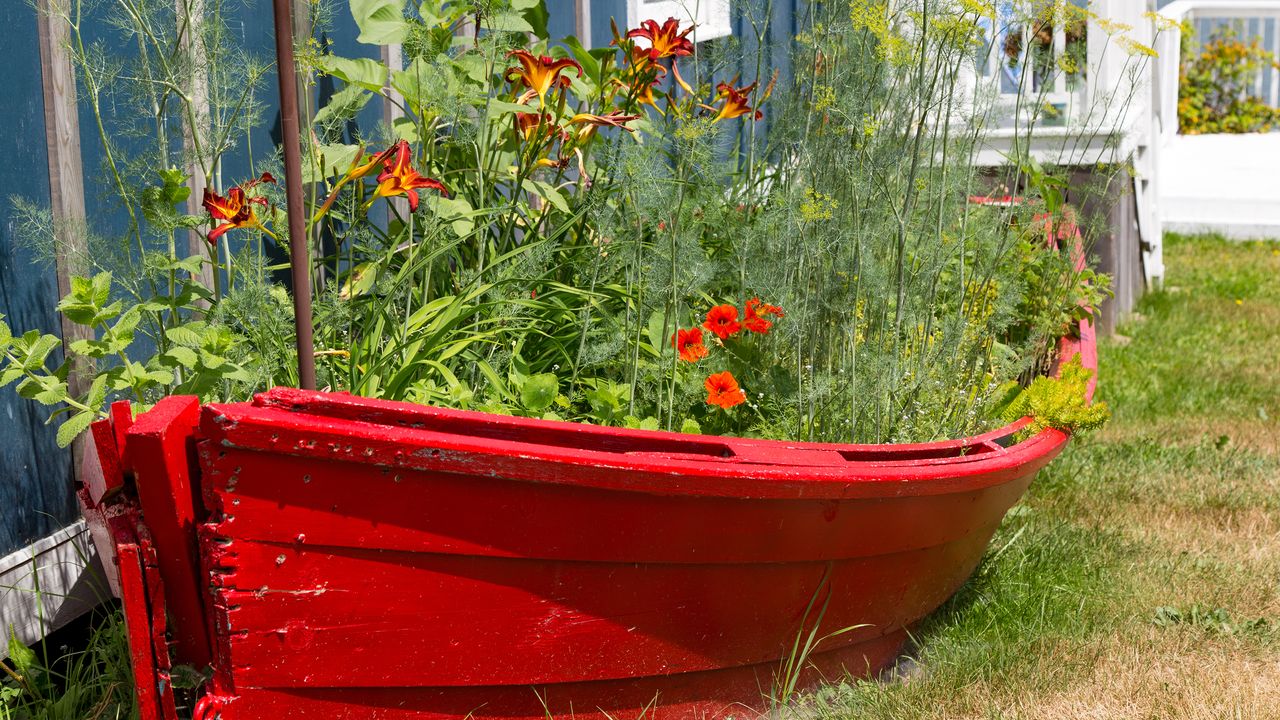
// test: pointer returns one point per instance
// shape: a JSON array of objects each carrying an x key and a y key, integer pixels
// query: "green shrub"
[{"x": 1215, "y": 85}]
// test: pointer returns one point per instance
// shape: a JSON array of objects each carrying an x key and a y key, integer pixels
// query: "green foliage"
[
  {"x": 583, "y": 223},
  {"x": 92, "y": 682},
  {"x": 1059, "y": 402},
  {"x": 187, "y": 355},
  {"x": 1216, "y": 85}
]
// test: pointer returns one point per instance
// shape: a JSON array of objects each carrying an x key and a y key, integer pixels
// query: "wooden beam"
[
  {"x": 66, "y": 175},
  {"x": 582, "y": 22},
  {"x": 190, "y": 15}
]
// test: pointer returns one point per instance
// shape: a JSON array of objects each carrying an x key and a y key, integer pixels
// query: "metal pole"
[{"x": 299, "y": 261}]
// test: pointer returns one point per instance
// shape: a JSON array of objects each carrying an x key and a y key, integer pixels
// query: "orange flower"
[
  {"x": 539, "y": 73},
  {"x": 734, "y": 102},
  {"x": 665, "y": 40},
  {"x": 399, "y": 178},
  {"x": 236, "y": 209},
  {"x": 754, "y": 319},
  {"x": 355, "y": 172},
  {"x": 688, "y": 343},
  {"x": 359, "y": 170},
  {"x": 590, "y": 122},
  {"x": 723, "y": 390},
  {"x": 641, "y": 76},
  {"x": 722, "y": 320},
  {"x": 527, "y": 125}
]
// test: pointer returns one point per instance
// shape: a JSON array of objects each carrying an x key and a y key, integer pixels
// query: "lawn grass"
[{"x": 1140, "y": 577}]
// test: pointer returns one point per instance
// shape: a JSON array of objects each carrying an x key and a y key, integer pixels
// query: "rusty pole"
[{"x": 299, "y": 259}]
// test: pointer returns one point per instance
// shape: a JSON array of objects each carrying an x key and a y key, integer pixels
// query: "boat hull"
[{"x": 340, "y": 557}]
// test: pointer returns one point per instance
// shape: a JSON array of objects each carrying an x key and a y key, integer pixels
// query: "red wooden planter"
[{"x": 338, "y": 557}]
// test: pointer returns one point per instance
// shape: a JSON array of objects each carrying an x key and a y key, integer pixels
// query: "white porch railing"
[{"x": 1104, "y": 111}]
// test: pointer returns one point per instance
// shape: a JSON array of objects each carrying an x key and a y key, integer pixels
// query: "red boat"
[{"x": 338, "y": 557}]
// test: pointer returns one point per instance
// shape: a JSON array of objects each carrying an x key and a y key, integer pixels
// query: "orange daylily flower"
[
  {"x": 722, "y": 321},
  {"x": 735, "y": 102},
  {"x": 399, "y": 178},
  {"x": 754, "y": 319},
  {"x": 539, "y": 127},
  {"x": 641, "y": 76},
  {"x": 666, "y": 40},
  {"x": 723, "y": 390},
  {"x": 527, "y": 125},
  {"x": 590, "y": 122},
  {"x": 235, "y": 209},
  {"x": 539, "y": 73},
  {"x": 688, "y": 344},
  {"x": 357, "y": 170}
]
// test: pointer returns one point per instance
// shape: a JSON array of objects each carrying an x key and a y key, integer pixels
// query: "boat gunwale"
[{"x": 344, "y": 427}]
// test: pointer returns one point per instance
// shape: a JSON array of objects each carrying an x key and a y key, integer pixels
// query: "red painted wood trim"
[
  {"x": 137, "y": 618},
  {"x": 159, "y": 451}
]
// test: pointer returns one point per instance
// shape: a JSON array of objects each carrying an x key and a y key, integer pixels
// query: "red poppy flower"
[
  {"x": 754, "y": 319},
  {"x": 399, "y": 178},
  {"x": 688, "y": 344},
  {"x": 722, "y": 320},
  {"x": 235, "y": 209},
  {"x": 723, "y": 390}
]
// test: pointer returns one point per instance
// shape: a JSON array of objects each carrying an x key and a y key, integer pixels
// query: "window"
[{"x": 710, "y": 16}]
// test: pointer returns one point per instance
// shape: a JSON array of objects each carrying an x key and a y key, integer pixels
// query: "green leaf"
[
  {"x": 211, "y": 361},
  {"x": 508, "y": 22},
  {"x": 39, "y": 350},
  {"x": 539, "y": 391},
  {"x": 23, "y": 657},
  {"x": 184, "y": 356},
  {"x": 690, "y": 427},
  {"x": 654, "y": 330},
  {"x": 635, "y": 423},
  {"x": 420, "y": 83},
  {"x": 101, "y": 288},
  {"x": 553, "y": 196},
  {"x": 97, "y": 392},
  {"x": 344, "y": 105},
  {"x": 71, "y": 428},
  {"x": 189, "y": 335},
  {"x": 124, "y": 328},
  {"x": 365, "y": 73},
  {"x": 6, "y": 335},
  {"x": 159, "y": 375},
  {"x": 9, "y": 375},
  {"x": 590, "y": 65},
  {"x": 381, "y": 22},
  {"x": 498, "y": 108}
]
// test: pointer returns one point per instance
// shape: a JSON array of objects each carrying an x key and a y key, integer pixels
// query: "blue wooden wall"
[{"x": 35, "y": 475}]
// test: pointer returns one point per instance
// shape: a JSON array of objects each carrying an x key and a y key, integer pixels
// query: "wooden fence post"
[
  {"x": 192, "y": 45},
  {"x": 66, "y": 176}
]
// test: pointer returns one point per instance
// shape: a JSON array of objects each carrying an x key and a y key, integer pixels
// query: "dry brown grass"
[{"x": 1164, "y": 676}]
